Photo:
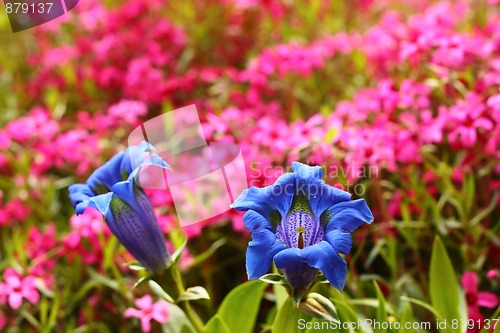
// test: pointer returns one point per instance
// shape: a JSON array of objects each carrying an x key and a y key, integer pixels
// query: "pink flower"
[
  {"x": 128, "y": 110},
  {"x": 474, "y": 298},
  {"x": 16, "y": 288},
  {"x": 492, "y": 274},
  {"x": 40, "y": 242},
  {"x": 148, "y": 311},
  {"x": 465, "y": 119},
  {"x": 494, "y": 103},
  {"x": 4, "y": 139}
]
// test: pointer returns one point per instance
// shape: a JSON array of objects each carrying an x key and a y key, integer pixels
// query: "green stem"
[{"x": 184, "y": 305}]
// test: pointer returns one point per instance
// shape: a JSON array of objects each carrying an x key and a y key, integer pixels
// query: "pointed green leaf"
[
  {"x": 347, "y": 314},
  {"x": 443, "y": 285},
  {"x": 216, "y": 325},
  {"x": 240, "y": 307},
  {"x": 272, "y": 278},
  {"x": 158, "y": 290},
  {"x": 381, "y": 312},
  {"x": 176, "y": 255},
  {"x": 135, "y": 266},
  {"x": 141, "y": 280},
  {"x": 407, "y": 317},
  {"x": 290, "y": 319},
  {"x": 177, "y": 322},
  {"x": 194, "y": 293}
]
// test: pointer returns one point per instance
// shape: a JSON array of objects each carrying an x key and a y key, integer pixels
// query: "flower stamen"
[{"x": 300, "y": 243}]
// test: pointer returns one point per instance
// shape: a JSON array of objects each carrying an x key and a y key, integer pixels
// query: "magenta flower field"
[{"x": 358, "y": 140}]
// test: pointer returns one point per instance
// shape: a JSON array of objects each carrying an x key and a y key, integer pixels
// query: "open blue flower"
[
  {"x": 112, "y": 190},
  {"x": 302, "y": 224}
]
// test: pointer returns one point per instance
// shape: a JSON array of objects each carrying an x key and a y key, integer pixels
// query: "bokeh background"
[{"x": 398, "y": 101}]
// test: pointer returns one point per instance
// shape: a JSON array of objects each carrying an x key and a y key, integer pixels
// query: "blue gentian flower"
[
  {"x": 112, "y": 189},
  {"x": 302, "y": 224}
]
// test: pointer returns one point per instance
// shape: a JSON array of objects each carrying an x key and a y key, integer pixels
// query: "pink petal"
[
  {"x": 488, "y": 300},
  {"x": 15, "y": 300},
  {"x": 132, "y": 312},
  {"x": 144, "y": 303},
  {"x": 160, "y": 312},
  {"x": 146, "y": 326},
  {"x": 31, "y": 295},
  {"x": 469, "y": 136},
  {"x": 483, "y": 123},
  {"x": 29, "y": 282},
  {"x": 12, "y": 278},
  {"x": 474, "y": 313},
  {"x": 469, "y": 282},
  {"x": 492, "y": 274}
]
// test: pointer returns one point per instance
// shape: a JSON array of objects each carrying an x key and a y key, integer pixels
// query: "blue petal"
[
  {"x": 349, "y": 215},
  {"x": 79, "y": 194},
  {"x": 304, "y": 171},
  {"x": 264, "y": 200},
  {"x": 324, "y": 257},
  {"x": 132, "y": 233},
  {"x": 321, "y": 195},
  {"x": 106, "y": 175},
  {"x": 101, "y": 203},
  {"x": 138, "y": 230},
  {"x": 340, "y": 240},
  {"x": 135, "y": 197},
  {"x": 254, "y": 221},
  {"x": 294, "y": 267},
  {"x": 152, "y": 160},
  {"x": 260, "y": 252},
  {"x": 135, "y": 155}
]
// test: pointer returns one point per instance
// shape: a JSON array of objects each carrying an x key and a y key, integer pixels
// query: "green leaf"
[
  {"x": 381, "y": 312},
  {"x": 347, "y": 314},
  {"x": 177, "y": 322},
  {"x": 141, "y": 280},
  {"x": 135, "y": 266},
  {"x": 194, "y": 293},
  {"x": 320, "y": 278},
  {"x": 272, "y": 278},
  {"x": 281, "y": 295},
  {"x": 240, "y": 307},
  {"x": 429, "y": 308},
  {"x": 216, "y": 325},
  {"x": 290, "y": 319},
  {"x": 443, "y": 285},
  {"x": 208, "y": 253},
  {"x": 407, "y": 317},
  {"x": 158, "y": 290},
  {"x": 176, "y": 255}
]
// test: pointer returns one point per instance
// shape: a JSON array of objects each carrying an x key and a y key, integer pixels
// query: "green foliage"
[
  {"x": 240, "y": 307},
  {"x": 288, "y": 318},
  {"x": 443, "y": 286}
]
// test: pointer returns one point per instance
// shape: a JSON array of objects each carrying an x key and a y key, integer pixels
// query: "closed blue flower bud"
[
  {"x": 303, "y": 225},
  {"x": 112, "y": 190}
]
